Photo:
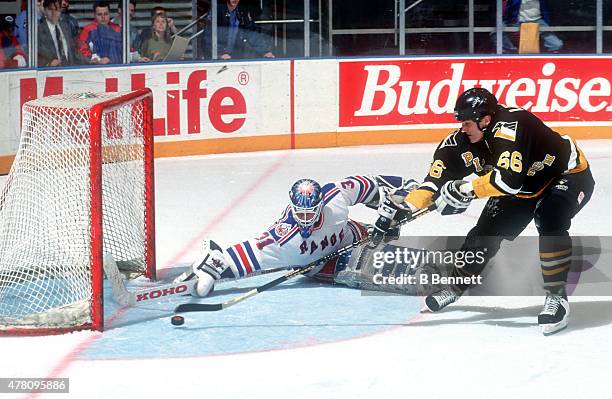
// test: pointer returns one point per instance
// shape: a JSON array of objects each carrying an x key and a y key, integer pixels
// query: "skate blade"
[
  {"x": 550, "y": 329},
  {"x": 425, "y": 309}
]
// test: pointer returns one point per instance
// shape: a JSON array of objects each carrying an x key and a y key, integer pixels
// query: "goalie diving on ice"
[{"x": 314, "y": 225}]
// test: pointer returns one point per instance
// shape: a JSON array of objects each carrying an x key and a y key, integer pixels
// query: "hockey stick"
[
  {"x": 189, "y": 275},
  {"x": 130, "y": 298},
  {"x": 211, "y": 307}
]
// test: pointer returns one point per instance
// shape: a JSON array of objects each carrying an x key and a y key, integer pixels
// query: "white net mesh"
[{"x": 45, "y": 209}]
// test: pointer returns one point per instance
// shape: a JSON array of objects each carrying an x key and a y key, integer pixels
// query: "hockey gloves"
[
  {"x": 453, "y": 198},
  {"x": 391, "y": 207}
]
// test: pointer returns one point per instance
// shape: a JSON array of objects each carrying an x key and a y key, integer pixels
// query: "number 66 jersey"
[{"x": 526, "y": 155}]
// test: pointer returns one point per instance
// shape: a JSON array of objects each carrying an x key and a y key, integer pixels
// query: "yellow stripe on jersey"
[
  {"x": 420, "y": 198},
  {"x": 537, "y": 194},
  {"x": 483, "y": 187},
  {"x": 502, "y": 135},
  {"x": 582, "y": 162}
]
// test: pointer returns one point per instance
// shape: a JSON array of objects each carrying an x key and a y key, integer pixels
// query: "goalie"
[{"x": 314, "y": 224}]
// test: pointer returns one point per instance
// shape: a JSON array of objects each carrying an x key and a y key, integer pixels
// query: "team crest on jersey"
[
  {"x": 282, "y": 229},
  {"x": 505, "y": 130}
]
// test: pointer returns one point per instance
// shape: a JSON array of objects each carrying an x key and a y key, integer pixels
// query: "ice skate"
[{"x": 553, "y": 317}]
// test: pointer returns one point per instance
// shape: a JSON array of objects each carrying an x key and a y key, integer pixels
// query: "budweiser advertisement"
[{"x": 424, "y": 91}]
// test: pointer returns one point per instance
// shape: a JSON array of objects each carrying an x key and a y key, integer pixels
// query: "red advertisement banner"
[{"x": 414, "y": 92}]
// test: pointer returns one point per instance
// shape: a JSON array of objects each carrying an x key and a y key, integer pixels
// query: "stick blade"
[{"x": 198, "y": 307}]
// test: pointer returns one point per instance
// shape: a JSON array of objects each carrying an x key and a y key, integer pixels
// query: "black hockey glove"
[
  {"x": 451, "y": 200},
  {"x": 388, "y": 211}
]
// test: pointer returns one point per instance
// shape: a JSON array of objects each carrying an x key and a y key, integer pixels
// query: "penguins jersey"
[
  {"x": 527, "y": 155},
  {"x": 282, "y": 245},
  {"x": 454, "y": 158}
]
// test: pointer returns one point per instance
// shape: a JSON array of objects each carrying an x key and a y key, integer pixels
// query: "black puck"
[{"x": 177, "y": 320}]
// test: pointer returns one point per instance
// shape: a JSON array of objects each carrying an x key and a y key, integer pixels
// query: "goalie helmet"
[
  {"x": 306, "y": 204},
  {"x": 475, "y": 103}
]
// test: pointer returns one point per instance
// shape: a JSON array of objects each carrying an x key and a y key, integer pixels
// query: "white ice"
[{"x": 481, "y": 347}]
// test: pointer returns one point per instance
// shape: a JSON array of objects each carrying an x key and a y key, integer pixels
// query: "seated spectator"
[
  {"x": 134, "y": 54},
  {"x": 147, "y": 32},
  {"x": 56, "y": 45},
  {"x": 516, "y": 12},
  {"x": 237, "y": 34},
  {"x": 156, "y": 47},
  {"x": 11, "y": 53},
  {"x": 69, "y": 20},
  {"x": 101, "y": 40}
]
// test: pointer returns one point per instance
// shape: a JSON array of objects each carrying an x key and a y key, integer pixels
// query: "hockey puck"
[{"x": 177, "y": 320}]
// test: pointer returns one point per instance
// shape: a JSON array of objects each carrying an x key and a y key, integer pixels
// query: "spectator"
[
  {"x": 21, "y": 22},
  {"x": 133, "y": 34},
  {"x": 237, "y": 35},
  {"x": 11, "y": 53},
  {"x": 56, "y": 45},
  {"x": 69, "y": 20},
  {"x": 101, "y": 40},
  {"x": 147, "y": 32},
  {"x": 156, "y": 47},
  {"x": 515, "y": 12}
]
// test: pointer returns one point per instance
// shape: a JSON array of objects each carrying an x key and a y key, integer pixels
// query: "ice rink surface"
[{"x": 308, "y": 340}]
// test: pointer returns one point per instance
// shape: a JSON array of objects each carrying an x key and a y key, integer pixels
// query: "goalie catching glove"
[
  {"x": 455, "y": 197},
  {"x": 208, "y": 267},
  {"x": 392, "y": 207}
]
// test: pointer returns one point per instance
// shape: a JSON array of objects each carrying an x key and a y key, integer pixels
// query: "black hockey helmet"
[{"x": 475, "y": 103}]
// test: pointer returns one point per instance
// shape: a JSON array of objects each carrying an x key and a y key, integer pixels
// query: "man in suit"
[{"x": 56, "y": 46}]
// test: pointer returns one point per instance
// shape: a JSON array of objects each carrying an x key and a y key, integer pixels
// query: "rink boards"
[{"x": 222, "y": 107}]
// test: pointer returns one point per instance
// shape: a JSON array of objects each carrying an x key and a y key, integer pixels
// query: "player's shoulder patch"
[
  {"x": 282, "y": 229},
  {"x": 451, "y": 140},
  {"x": 505, "y": 130}
]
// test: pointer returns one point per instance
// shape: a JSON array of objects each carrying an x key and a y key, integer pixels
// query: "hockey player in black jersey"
[{"x": 536, "y": 174}]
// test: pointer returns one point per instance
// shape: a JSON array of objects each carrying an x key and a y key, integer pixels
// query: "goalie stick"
[
  {"x": 211, "y": 307},
  {"x": 130, "y": 298},
  {"x": 142, "y": 295}
]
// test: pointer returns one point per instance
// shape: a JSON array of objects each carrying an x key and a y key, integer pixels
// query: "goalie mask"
[{"x": 306, "y": 204}]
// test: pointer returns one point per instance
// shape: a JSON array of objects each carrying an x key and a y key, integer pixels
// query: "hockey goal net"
[{"x": 81, "y": 186}]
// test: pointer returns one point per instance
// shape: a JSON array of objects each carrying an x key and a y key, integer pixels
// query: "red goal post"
[{"x": 81, "y": 185}]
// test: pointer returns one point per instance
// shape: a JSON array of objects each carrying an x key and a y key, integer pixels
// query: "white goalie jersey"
[{"x": 283, "y": 245}]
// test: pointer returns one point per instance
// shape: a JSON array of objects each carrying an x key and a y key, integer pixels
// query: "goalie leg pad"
[
  {"x": 211, "y": 260},
  {"x": 210, "y": 265},
  {"x": 204, "y": 285},
  {"x": 365, "y": 271}
]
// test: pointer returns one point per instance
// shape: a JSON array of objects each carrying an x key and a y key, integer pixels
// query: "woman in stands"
[{"x": 156, "y": 47}]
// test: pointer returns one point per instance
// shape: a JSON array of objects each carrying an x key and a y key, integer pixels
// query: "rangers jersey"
[{"x": 282, "y": 245}]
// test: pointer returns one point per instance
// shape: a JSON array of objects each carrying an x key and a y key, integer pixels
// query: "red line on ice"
[{"x": 65, "y": 362}]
